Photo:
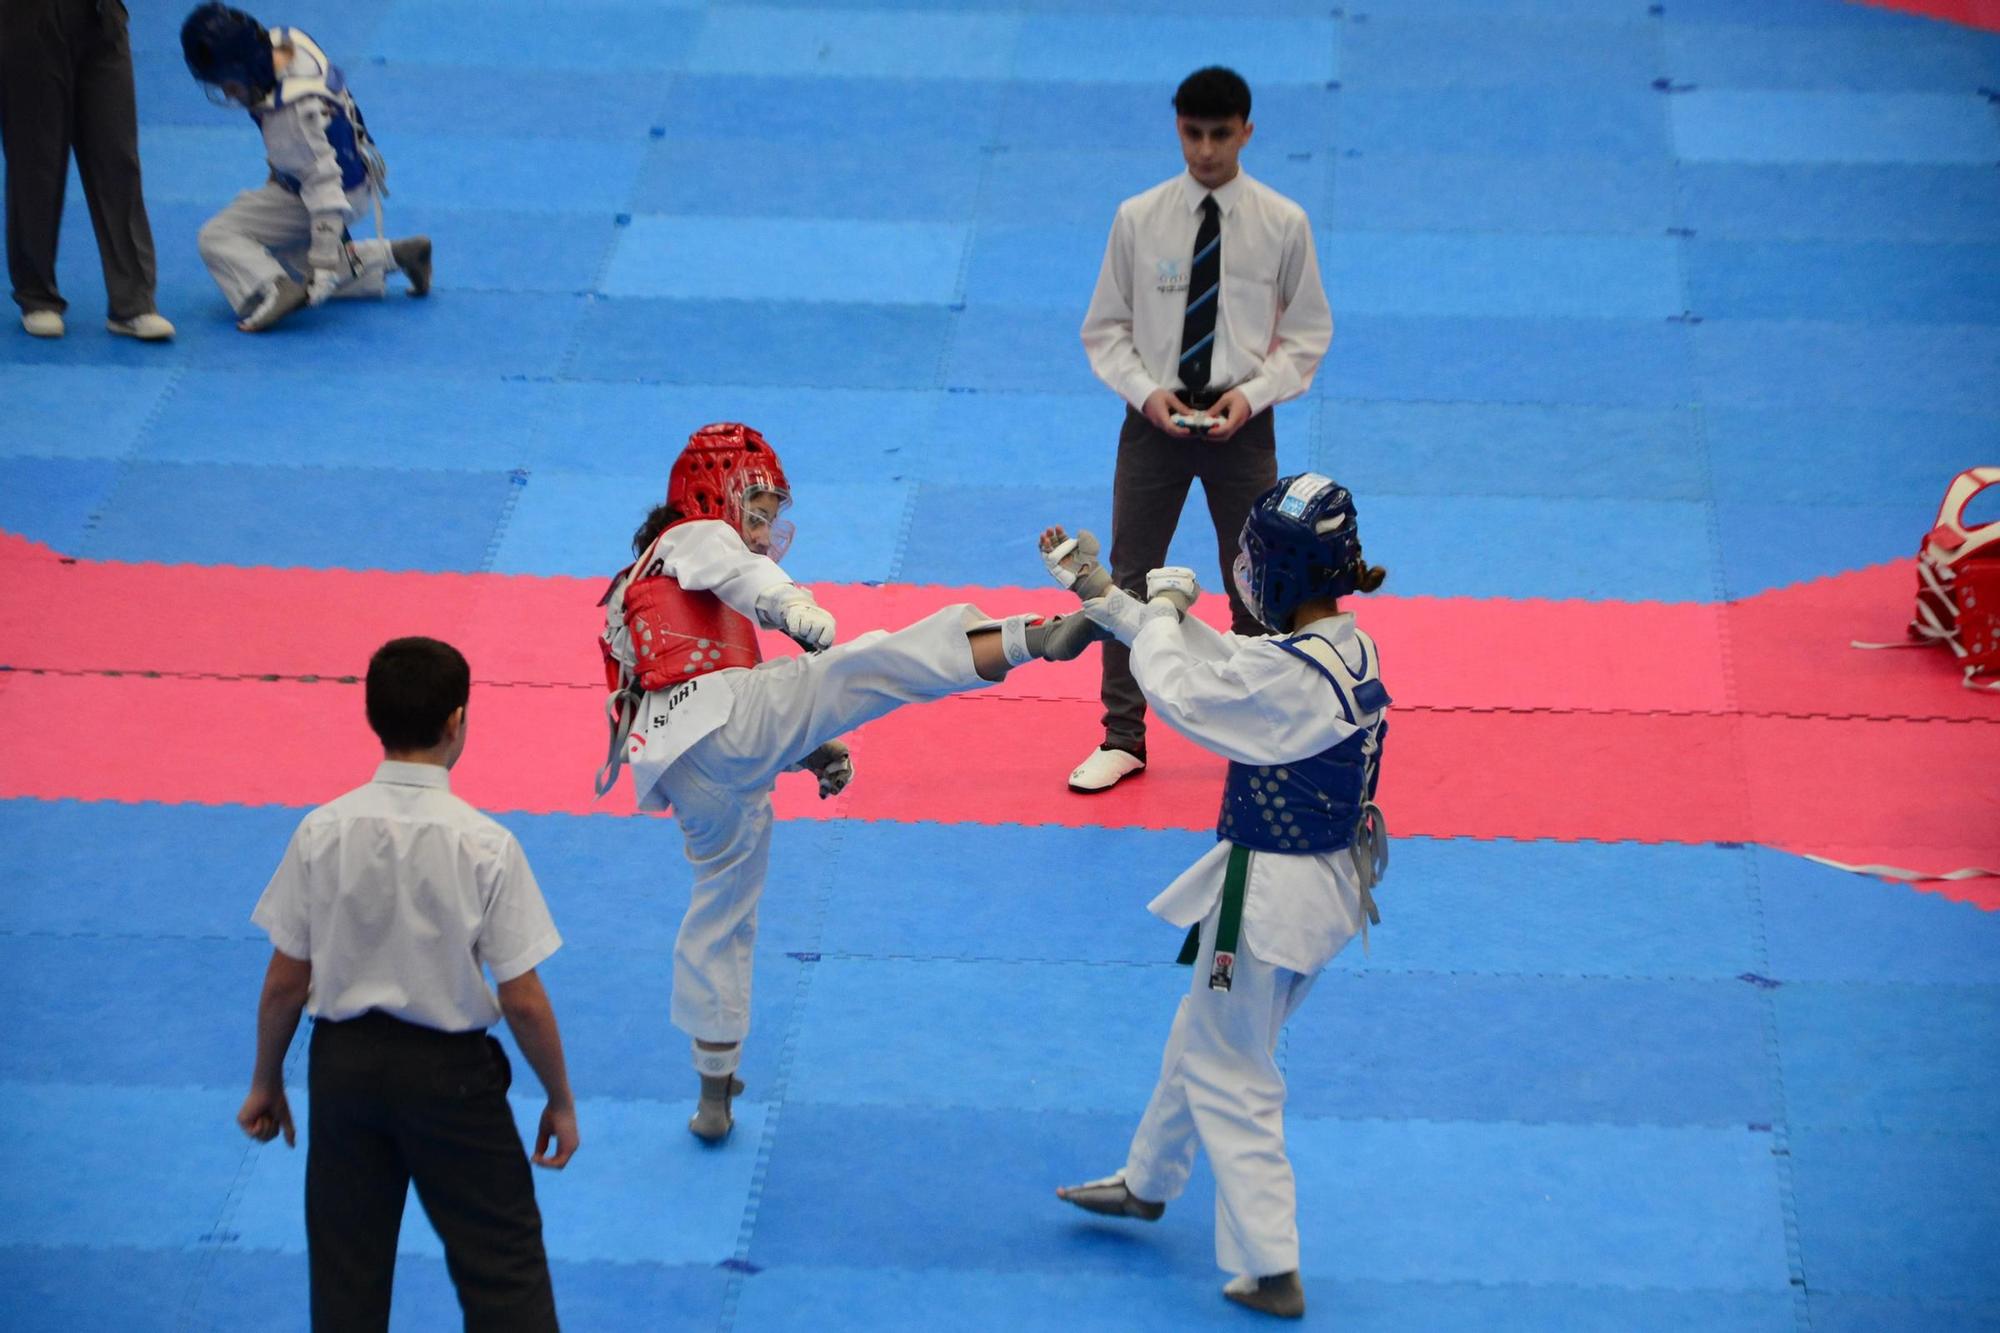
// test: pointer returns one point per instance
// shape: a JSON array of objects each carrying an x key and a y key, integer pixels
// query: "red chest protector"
[
  {"x": 669, "y": 636},
  {"x": 1958, "y": 582}
]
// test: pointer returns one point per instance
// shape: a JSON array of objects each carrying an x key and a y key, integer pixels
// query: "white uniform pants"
[
  {"x": 264, "y": 234},
  {"x": 1220, "y": 1087},
  {"x": 720, "y": 790}
]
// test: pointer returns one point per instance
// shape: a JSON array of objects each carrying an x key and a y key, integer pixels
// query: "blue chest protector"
[
  {"x": 1313, "y": 805},
  {"x": 315, "y": 76}
]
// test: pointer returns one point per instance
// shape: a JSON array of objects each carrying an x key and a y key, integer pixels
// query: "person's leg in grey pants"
[
  {"x": 66, "y": 82},
  {"x": 1154, "y": 473}
]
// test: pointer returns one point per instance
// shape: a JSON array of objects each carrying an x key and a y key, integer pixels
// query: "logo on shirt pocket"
[{"x": 1170, "y": 275}]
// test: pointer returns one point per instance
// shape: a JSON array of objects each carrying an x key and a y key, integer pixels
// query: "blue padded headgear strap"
[
  {"x": 226, "y": 46},
  {"x": 1299, "y": 543}
]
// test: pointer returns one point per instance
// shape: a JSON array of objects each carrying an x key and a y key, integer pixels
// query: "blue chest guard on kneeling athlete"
[{"x": 1313, "y": 804}]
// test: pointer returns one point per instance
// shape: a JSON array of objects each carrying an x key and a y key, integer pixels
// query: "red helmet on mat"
[{"x": 724, "y": 466}]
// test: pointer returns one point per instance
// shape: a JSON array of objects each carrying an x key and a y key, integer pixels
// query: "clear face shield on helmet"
[
  {"x": 758, "y": 520},
  {"x": 1246, "y": 586}
]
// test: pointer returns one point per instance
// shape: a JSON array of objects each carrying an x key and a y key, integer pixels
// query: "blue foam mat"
[
  {"x": 700, "y": 258},
  {"x": 192, "y": 1000},
  {"x": 855, "y": 1043},
  {"x": 1415, "y": 273},
  {"x": 810, "y": 344},
  {"x": 855, "y": 43},
  {"x": 1712, "y": 125},
  {"x": 53, "y": 500},
  {"x": 169, "y": 1196},
  {"x": 631, "y": 40},
  {"x": 1035, "y": 265},
  {"x": 91, "y": 868},
  {"x": 1290, "y": 117},
  {"x": 799, "y": 108},
  {"x": 1873, "y": 282},
  {"x": 1823, "y": 924},
  {"x": 1445, "y": 1047},
  {"x": 1504, "y": 122},
  {"x": 1153, "y": 50},
  {"x": 500, "y": 251},
  {"x": 1423, "y": 51},
  {"x": 403, "y": 96},
  {"x": 1388, "y": 448},
  {"x": 936, "y": 180},
  {"x": 1438, "y": 191},
  {"x": 1903, "y": 1058},
  {"x": 1800, "y": 452},
  {"x": 1631, "y": 1206},
  {"x": 1033, "y": 349},
  {"x": 1852, "y": 59},
  {"x": 1774, "y": 543},
  {"x": 242, "y": 515},
  {"x": 1554, "y": 909},
  {"x": 1904, "y": 1215},
  {"x": 1891, "y": 201},
  {"x": 1931, "y": 368},
  {"x": 1641, "y": 363},
  {"x": 1004, "y": 1169}
]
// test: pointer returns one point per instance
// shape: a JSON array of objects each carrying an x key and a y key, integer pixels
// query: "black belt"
[{"x": 1202, "y": 399}]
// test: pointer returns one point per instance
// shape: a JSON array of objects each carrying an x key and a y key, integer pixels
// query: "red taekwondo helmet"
[{"x": 724, "y": 466}]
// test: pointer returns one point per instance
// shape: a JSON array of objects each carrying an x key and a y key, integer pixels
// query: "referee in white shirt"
[
  {"x": 1209, "y": 302},
  {"x": 387, "y": 904}
]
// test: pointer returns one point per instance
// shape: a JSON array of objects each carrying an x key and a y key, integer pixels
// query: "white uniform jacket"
[
  {"x": 314, "y": 139},
  {"x": 1249, "y": 700},
  {"x": 704, "y": 556}
]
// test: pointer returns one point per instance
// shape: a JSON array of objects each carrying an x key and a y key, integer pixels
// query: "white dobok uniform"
[
  {"x": 1249, "y": 700},
  {"x": 322, "y": 167},
  {"x": 711, "y": 749}
]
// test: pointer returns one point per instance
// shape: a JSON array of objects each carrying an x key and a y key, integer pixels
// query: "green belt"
[{"x": 1222, "y": 970}]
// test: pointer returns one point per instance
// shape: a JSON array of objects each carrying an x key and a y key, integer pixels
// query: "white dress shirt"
[
  {"x": 1273, "y": 325},
  {"x": 1249, "y": 700},
  {"x": 397, "y": 893}
]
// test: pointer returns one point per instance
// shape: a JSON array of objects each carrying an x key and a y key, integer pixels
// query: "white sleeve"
[
  {"x": 1305, "y": 323},
  {"x": 319, "y": 188},
  {"x": 516, "y": 933},
  {"x": 283, "y": 912},
  {"x": 1256, "y": 703},
  {"x": 709, "y": 556},
  {"x": 1107, "y": 325}
]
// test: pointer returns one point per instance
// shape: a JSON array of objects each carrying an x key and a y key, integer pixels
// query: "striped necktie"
[{"x": 1204, "y": 283}]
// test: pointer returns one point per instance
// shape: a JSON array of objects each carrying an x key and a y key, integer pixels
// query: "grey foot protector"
[
  {"x": 413, "y": 256},
  {"x": 1112, "y": 1198},
  {"x": 281, "y": 298},
  {"x": 712, "y": 1120},
  {"x": 1280, "y": 1295}
]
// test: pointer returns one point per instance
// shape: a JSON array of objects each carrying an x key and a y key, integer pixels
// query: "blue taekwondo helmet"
[
  {"x": 1299, "y": 543},
  {"x": 229, "y": 54}
]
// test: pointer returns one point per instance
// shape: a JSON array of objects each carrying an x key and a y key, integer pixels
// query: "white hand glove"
[
  {"x": 809, "y": 624},
  {"x": 1125, "y": 615},
  {"x": 1174, "y": 584},
  {"x": 832, "y": 765}
]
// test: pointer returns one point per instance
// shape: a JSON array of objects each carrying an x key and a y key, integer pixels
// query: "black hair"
[
  {"x": 1367, "y": 577},
  {"x": 1214, "y": 93},
  {"x": 414, "y": 685},
  {"x": 658, "y": 519}
]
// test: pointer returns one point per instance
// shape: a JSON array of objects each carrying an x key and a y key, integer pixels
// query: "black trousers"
[
  {"x": 66, "y": 83},
  {"x": 394, "y": 1103},
  {"x": 1155, "y": 471}
]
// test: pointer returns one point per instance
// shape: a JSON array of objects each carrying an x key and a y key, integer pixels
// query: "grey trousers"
[
  {"x": 263, "y": 235},
  {"x": 1154, "y": 473},
  {"x": 66, "y": 83}
]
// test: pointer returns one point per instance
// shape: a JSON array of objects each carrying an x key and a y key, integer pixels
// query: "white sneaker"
[
  {"x": 1105, "y": 769},
  {"x": 151, "y": 327},
  {"x": 43, "y": 323}
]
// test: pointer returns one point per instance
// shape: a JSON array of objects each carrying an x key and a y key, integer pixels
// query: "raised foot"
[{"x": 1111, "y": 1197}]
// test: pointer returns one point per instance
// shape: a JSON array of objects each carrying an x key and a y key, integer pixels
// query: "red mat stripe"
[
  {"x": 1857, "y": 790},
  {"x": 1784, "y": 652}
]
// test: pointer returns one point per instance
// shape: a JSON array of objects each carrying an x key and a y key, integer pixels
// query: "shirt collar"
[
  {"x": 399, "y": 774},
  {"x": 1193, "y": 191}
]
